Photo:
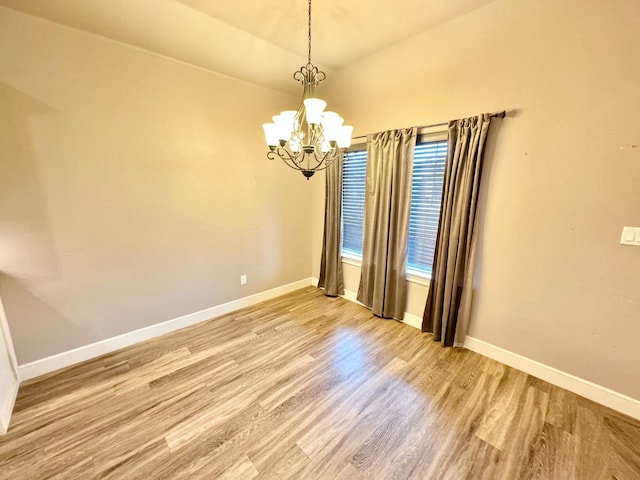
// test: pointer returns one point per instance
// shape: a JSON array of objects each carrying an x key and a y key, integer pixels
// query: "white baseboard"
[
  {"x": 585, "y": 388},
  {"x": 409, "y": 319},
  {"x": 87, "y": 352},
  {"x": 351, "y": 296},
  {"x": 6, "y": 410},
  {"x": 412, "y": 320}
]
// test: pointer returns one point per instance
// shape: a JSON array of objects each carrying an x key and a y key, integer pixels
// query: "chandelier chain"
[{"x": 309, "y": 52}]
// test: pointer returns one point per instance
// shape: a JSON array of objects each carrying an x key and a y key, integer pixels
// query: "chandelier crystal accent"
[{"x": 308, "y": 139}]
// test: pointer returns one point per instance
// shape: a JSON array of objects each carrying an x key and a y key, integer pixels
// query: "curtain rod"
[{"x": 501, "y": 114}]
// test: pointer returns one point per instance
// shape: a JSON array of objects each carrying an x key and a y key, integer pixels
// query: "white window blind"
[
  {"x": 426, "y": 194},
  {"x": 353, "y": 185}
]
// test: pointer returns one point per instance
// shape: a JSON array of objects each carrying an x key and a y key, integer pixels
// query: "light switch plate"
[{"x": 630, "y": 236}]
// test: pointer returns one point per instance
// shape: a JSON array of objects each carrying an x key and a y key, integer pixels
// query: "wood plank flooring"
[{"x": 308, "y": 387}]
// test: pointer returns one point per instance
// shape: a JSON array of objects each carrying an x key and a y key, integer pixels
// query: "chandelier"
[{"x": 308, "y": 139}]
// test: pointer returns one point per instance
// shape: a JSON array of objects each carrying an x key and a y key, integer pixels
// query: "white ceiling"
[{"x": 261, "y": 41}]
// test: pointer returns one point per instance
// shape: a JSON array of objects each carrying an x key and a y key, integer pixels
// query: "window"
[
  {"x": 353, "y": 184},
  {"x": 426, "y": 193}
]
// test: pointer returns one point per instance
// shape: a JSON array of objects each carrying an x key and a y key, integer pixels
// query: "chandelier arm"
[
  {"x": 289, "y": 159},
  {"x": 327, "y": 158},
  {"x": 295, "y": 162}
]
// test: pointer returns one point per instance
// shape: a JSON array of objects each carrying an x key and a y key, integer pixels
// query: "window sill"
[
  {"x": 418, "y": 279},
  {"x": 356, "y": 262},
  {"x": 412, "y": 277}
]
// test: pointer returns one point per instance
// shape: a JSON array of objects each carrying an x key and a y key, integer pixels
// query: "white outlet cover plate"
[{"x": 630, "y": 236}]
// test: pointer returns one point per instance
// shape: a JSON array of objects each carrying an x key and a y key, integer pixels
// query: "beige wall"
[
  {"x": 560, "y": 182},
  {"x": 134, "y": 189}
]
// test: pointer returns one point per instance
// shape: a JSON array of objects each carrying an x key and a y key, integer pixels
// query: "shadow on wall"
[
  {"x": 37, "y": 328},
  {"x": 27, "y": 248},
  {"x": 26, "y": 240}
]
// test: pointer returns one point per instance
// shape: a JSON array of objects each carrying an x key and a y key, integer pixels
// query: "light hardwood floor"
[{"x": 308, "y": 387}]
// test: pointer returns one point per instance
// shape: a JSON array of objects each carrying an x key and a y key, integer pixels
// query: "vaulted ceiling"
[{"x": 260, "y": 41}]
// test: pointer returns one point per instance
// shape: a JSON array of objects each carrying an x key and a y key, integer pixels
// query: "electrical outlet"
[
  {"x": 243, "y": 279},
  {"x": 630, "y": 236}
]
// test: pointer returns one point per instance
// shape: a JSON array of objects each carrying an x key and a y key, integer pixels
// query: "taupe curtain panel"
[
  {"x": 331, "y": 263},
  {"x": 383, "y": 284},
  {"x": 448, "y": 305}
]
